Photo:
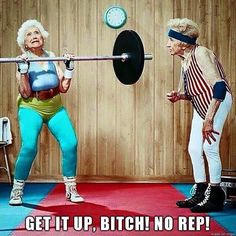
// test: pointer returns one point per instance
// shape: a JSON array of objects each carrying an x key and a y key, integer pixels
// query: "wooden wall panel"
[
  {"x": 125, "y": 133},
  {"x": 163, "y": 116},
  {"x": 87, "y": 87},
  {"x": 106, "y": 104},
  {"x": 9, "y": 90},
  {"x": 144, "y": 159}
]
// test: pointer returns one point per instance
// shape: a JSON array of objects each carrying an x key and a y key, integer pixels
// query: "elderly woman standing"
[
  {"x": 39, "y": 102},
  {"x": 205, "y": 86}
]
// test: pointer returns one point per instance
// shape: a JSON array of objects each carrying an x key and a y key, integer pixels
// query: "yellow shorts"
[{"x": 46, "y": 108}]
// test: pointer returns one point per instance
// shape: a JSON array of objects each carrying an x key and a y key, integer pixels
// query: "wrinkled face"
[
  {"x": 175, "y": 47},
  {"x": 33, "y": 38}
]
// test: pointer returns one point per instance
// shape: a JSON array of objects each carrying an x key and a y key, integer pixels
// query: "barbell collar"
[{"x": 148, "y": 56}]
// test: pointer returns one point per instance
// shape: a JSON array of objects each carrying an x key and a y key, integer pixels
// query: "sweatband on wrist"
[
  {"x": 68, "y": 74},
  {"x": 23, "y": 69},
  {"x": 219, "y": 90},
  {"x": 181, "y": 37}
]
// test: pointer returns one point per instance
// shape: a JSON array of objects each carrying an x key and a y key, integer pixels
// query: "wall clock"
[{"x": 115, "y": 17}]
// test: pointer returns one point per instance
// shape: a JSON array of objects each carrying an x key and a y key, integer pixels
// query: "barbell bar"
[
  {"x": 128, "y": 57},
  {"x": 123, "y": 58}
]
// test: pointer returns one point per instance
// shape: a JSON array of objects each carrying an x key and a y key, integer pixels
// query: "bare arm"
[
  {"x": 64, "y": 83},
  {"x": 206, "y": 60},
  {"x": 23, "y": 84}
]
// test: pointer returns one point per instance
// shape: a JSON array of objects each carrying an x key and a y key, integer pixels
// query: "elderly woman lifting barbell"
[{"x": 40, "y": 82}]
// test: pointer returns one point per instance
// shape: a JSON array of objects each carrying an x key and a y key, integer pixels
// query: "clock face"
[{"x": 115, "y": 17}]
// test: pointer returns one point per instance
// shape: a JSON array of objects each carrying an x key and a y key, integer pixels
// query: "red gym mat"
[{"x": 116, "y": 209}]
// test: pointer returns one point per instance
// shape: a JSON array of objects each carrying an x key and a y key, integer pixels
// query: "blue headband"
[{"x": 181, "y": 37}]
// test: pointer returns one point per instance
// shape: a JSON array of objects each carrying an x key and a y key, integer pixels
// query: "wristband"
[
  {"x": 23, "y": 68},
  {"x": 68, "y": 74}
]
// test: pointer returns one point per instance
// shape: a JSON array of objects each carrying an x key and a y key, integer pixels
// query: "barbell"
[{"x": 128, "y": 57}]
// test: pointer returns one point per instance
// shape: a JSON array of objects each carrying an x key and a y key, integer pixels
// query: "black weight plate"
[{"x": 128, "y": 72}]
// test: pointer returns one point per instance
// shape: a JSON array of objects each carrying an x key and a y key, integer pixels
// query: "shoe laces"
[
  {"x": 16, "y": 193},
  {"x": 73, "y": 190},
  {"x": 193, "y": 191},
  {"x": 207, "y": 196}
]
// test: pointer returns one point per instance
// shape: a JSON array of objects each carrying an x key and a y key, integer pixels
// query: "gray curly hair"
[
  {"x": 184, "y": 26},
  {"x": 24, "y": 27}
]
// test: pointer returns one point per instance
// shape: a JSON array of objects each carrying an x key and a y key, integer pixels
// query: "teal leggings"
[{"x": 31, "y": 123}]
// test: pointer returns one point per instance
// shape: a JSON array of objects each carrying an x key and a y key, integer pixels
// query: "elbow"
[
  {"x": 63, "y": 89},
  {"x": 24, "y": 95},
  {"x": 27, "y": 94},
  {"x": 219, "y": 90}
]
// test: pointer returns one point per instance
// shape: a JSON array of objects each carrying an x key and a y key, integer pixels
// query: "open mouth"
[{"x": 35, "y": 41}]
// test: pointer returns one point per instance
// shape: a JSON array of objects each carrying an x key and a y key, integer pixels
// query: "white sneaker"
[
  {"x": 72, "y": 194},
  {"x": 71, "y": 191},
  {"x": 16, "y": 193}
]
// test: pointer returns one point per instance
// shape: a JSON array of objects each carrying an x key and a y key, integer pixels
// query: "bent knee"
[
  {"x": 69, "y": 145},
  {"x": 28, "y": 149},
  {"x": 210, "y": 149},
  {"x": 194, "y": 150}
]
